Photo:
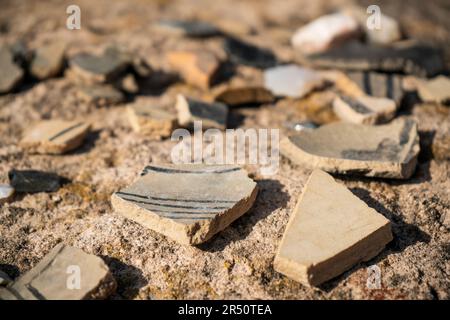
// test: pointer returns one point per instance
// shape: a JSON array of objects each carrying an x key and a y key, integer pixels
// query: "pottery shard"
[
  {"x": 198, "y": 68},
  {"x": 434, "y": 90},
  {"x": 324, "y": 33},
  {"x": 6, "y": 193},
  {"x": 55, "y": 277},
  {"x": 54, "y": 136},
  {"x": 292, "y": 80},
  {"x": 150, "y": 120},
  {"x": 408, "y": 57},
  {"x": 48, "y": 60},
  {"x": 187, "y": 203},
  {"x": 212, "y": 115},
  {"x": 364, "y": 109},
  {"x": 240, "y": 95},
  {"x": 329, "y": 231},
  {"x": 194, "y": 29},
  {"x": 34, "y": 181},
  {"x": 248, "y": 54},
  {"x": 388, "y": 151},
  {"x": 380, "y": 85},
  {"x": 102, "y": 68},
  {"x": 10, "y": 73}
]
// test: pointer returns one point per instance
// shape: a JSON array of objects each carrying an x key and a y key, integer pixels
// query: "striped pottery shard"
[
  {"x": 364, "y": 109},
  {"x": 388, "y": 151},
  {"x": 54, "y": 136},
  {"x": 65, "y": 273},
  {"x": 329, "y": 231},
  {"x": 193, "y": 29},
  {"x": 187, "y": 203},
  {"x": 381, "y": 85}
]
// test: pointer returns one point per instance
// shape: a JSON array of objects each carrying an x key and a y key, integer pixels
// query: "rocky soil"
[{"x": 237, "y": 263}]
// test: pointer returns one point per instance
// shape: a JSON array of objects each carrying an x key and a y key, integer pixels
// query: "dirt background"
[{"x": 237, "y": 263}]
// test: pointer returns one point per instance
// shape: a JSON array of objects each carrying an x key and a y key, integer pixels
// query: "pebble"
[
  {"x": 34, "y": 181},
  {"x": 187, "y": 203},
  {"x": 212, "y": 115},
  {"x": 6, "y": 193},
  {"x": 388, "y": 151},
  {"x": 54, "y": 136},
  {"x": 55, "y": 278},
  {"x": 48, "y": 60},
  {"x": 292, "y": 80},
  {"x": 325, "y": 33},
  {"x": 10, "y": 73},
  {"x": 364, "y": 109},
  {"x": 329, "y": 231}
]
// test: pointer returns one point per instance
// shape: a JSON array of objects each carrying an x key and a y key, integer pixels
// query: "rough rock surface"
[{"x": 237, "y": 263}]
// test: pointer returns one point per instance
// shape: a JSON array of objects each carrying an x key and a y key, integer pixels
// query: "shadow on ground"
[
  {"x": 125, "y": 275},
  {"x": 271, "y": 197},
  {"x": 405, "y": 235}
]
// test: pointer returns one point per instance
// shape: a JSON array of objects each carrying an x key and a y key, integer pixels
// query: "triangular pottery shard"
[
  {"x": 188, "y": 203},
  {"x": 388, "y": 151},
  {"x": 329, "y": 231}
]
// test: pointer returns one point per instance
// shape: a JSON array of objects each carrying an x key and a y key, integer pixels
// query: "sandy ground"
[{"x": 237, "y": 263}]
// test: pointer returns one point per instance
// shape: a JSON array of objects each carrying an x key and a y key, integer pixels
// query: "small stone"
[
  {"x": 212, "y": 115},
  {"x": 388, "y": 151},
  {"x": 380, "y": 85},
  {"x": 329, "y": 231},
  {"x": 435, "y": 90},
  {"x": 6, "y": 193},
  {"x": 194, "y": 29},
  {"x": 101, "y": 94},
  {"x": 187, "y": 203},
  {"x": 247, "y": 54},
  {"x": 129, "y": 84},
  {"x": 240, "y": 95},
  {"x": 300, "y": 126},
  {"x": 103, "y": 68},
  {"x": 325, "y": 33},
  {"x": 141, "y": 68},
  {"x": 54, "y": 136},
  {"x": 48, "y": 60},
  {"x": 4, "y": 278},
  {"x": 387, "y": 32},
  {"x": 364, "y": 109},
  {"x": 55, "y": 278},
  {"x": 34, "y": 181},
  {"x": 318, "y": 107},
  {"x": 292, "y": 81},
  {"x": 150, "y": 120},
  {"x": 198, "y": 68},
  {"x": 10, "y": 73},
  {"x": 408, "y": 57}
]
